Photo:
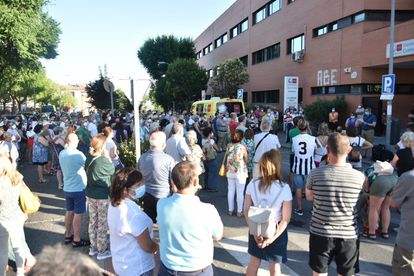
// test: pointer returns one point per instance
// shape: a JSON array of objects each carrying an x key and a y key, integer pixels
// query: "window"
[
  {"x": 239, "y": 28},
  {"x": 208, "y": 49},
  {"x": 323, "y": 31},
  {"x": 296, "y": 44},
  {"x": 245, "y": 60},
  {"x": 329, "y": 90},
  {"x": 266, "y": 54},
  {"x": 359, "y": 17},
  {"x": 217, "y": 43},
  {"x": 244, "y": 25},
  {"x": 334, "y": 26},
  {"x": 259, "y": 15},
  {"x": 210, "y": 73},
  {"x": 269, "y": 96},
  {"x": 290, "y": 1},
  {"x": 344, "y": 22},
  {"x": 199, "y": 55},
  {"x": 265, "y": 11},
  {"x": 245, "y": 96},
  {"x": 234, "y": 32},
  {"x": 274, "y": 7},
  {"x": 220, "y": 41}
]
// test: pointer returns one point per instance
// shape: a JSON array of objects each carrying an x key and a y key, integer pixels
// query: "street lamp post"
[{"x": 390, "y": 71}]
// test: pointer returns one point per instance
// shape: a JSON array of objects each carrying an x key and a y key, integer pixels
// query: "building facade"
[{"x": 334, "y": 47}]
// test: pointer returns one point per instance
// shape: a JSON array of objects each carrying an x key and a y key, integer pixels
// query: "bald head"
[
  {"x": 72, "y": 140},
  {"x": 338, "y": 145}
]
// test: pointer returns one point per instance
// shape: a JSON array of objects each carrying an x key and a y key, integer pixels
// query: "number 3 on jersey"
[{"x": 302, "y": 150}]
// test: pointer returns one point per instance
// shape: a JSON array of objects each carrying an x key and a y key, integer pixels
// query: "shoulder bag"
[
  {"x": 29, "y": 202},
  {"x": 262, "y": 220},
  {"x": 222, "y": 171}
]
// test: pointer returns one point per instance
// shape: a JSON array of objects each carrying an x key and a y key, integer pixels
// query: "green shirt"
[
  {"x": 292, "y": 133},
  {"x": 99, "y": 172}
]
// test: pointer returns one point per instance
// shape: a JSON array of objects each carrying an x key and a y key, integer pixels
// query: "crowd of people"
[{"x": 183, "y": 157}]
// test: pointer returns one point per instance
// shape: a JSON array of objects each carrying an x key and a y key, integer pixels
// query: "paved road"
[{"x": 46, "y": 228}]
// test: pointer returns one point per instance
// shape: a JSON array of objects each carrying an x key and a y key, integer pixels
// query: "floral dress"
[
  {"x": 249, "y": 144},
  {"x": 40, "y": 152},
  {"x": 235, "y": 160},
  {"x": 198, "y": 156}
]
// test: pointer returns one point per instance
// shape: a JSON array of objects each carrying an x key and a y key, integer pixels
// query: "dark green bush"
[{"x": 318, "y": 111}]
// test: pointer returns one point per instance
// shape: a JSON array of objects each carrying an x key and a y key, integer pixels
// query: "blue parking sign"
[{"x": 388, "y": 87}]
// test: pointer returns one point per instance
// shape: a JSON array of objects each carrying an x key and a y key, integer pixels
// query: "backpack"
[
  {"x": 355, "y": 154},
  {"x": 262, "y": 221},
  {"x": 209, "y": 151}
]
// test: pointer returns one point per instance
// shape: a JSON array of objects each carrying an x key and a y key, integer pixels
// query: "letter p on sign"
[{"x": 388, "y": 87}]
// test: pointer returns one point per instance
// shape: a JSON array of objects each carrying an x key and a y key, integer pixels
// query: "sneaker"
[
  {"x": 104, "y": 255},
  {"x": 298, "y": 212},
  {"x": 240, "y": 214},
  {"x": 230, "y": 213},
  {"x": 92, "y": 252}
]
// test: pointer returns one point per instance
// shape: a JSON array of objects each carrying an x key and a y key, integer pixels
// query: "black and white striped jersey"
[{"x": 303, "y": 147}]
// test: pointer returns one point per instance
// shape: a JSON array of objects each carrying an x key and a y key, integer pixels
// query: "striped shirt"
[
  {"x": 335, "y": 194},
  {"x": 303, "y": 147}
]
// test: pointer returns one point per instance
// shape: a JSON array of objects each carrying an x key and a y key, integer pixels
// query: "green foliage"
[
  {"x": 181, "y": 85},
  {"x": 318, "y": 111},
  {"x": 164, "y": 49},
  {"x": 127, "y": 153},
  {"x": 101, "y": 99},
  {"x": 231, "y": 74}
]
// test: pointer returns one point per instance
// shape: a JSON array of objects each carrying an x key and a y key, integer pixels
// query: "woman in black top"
[{"x": 404, "y": 158}]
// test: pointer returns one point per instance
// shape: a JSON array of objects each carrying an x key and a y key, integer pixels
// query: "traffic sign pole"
[{"x": 390, "y": 71}]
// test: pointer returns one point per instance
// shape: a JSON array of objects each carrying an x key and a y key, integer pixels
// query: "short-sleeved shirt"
[
  {"x": 156, "y": 167},
  {"x": 9, "y": 195},
  {"x": 72, "y": 163},
  {"x": 186, "y": 228},
  {"x": 270, "y": 142},
  {"x": 126, "y": 222},
  {"x": 265, "y": 198},
  {"x": 403, "y": 196},
  {"x": 303, "y": 148},
  {"x": 371, "y": 118},
  {"x": 177, "y": 148},
  {"x": 335, "y": 194}
]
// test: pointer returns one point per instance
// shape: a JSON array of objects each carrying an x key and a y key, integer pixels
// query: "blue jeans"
[
  {"x": 164, "y": 271},
  {"x": 211, "y": 174}
]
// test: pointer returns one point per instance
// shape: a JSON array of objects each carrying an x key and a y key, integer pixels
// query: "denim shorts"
[
  {"x": 76, "y": 202},
  {"x": 299, "y": 181}
]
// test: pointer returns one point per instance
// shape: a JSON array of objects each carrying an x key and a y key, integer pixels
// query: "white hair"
[
  {"x": 265, "y": 125},
  {"x": 407, "y": 139},
  {"x": 191, "y": 134},
  {"x": 158, "y": 139}
]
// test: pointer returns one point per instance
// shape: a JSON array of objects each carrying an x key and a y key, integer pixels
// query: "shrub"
[
  {"x": 318, "y": 111},
  {"x": 127, "y": 153}
]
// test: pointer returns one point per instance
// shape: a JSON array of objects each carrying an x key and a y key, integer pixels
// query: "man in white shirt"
[
  {"x": 176, "y": 145},
  {"x": 173, "y": 120},
  {"x": 187, "y": 226},
  {"x": 263, "y": 142}
]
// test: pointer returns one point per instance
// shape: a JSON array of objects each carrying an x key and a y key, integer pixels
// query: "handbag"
[
  {"x": 223, "y": 171},
  {"x": 29, "y": 202},
  {"x": 262, "y": 221}
]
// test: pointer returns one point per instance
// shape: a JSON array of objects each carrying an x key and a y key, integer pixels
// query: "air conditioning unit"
[{"x": 298, "y": 56}]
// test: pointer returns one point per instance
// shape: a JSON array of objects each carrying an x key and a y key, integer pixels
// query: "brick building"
[{"x": 335, "y": 47}]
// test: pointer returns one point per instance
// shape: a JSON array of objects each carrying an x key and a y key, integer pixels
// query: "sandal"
[
  {"x": 385, "y": 235},
  {"x": 42, "y": 181},
  {"x": 76, "y": 244},
  {"x": 372, "y": 236},
  {"x": 68, "y": 240}
]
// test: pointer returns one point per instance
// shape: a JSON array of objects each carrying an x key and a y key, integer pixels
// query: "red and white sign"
[
  {"x": 401, "y": 48},
  {"x": 291, "y": 95}
]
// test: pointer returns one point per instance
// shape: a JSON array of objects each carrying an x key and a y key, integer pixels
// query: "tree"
[
  {"x": 101, "y": 99},
  {"x": 156, "y": 53},
  {"x": 231, "y": 74},
  {"x": 181, "y": 85},
  {"x": 27, "y": 33}
]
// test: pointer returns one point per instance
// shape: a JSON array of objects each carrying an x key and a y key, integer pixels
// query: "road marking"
[{"x": 237, "y": 247}]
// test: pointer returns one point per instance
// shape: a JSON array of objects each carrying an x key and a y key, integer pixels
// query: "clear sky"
[{"x": 98, "y": 32}]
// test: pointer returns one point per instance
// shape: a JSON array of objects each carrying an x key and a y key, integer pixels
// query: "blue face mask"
[{"x": 139, "y": 192}]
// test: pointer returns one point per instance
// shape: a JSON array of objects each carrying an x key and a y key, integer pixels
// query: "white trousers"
[
  {"x": 235, "y": 188},
  {"x": 12, "y": 230}
]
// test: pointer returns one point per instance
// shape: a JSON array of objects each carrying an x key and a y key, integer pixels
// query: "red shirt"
[{"x": 233, "y": 125}]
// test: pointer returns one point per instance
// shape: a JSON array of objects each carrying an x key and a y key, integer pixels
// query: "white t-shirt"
[
  {"x": 270, "y": 142},
  {"x": 267, "y": 197},
  {"x": 359, "y": 142},
  {"x": 93, "y": 130},
  {"x": 109, "y": 144},
  {"x": 126, "y": 222}
]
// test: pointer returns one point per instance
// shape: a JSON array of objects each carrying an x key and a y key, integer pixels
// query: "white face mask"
[
  {"x": 85, "y": 124},
  {"x": 109, "y": 118},
  {"x": 139, "y": 192}
]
